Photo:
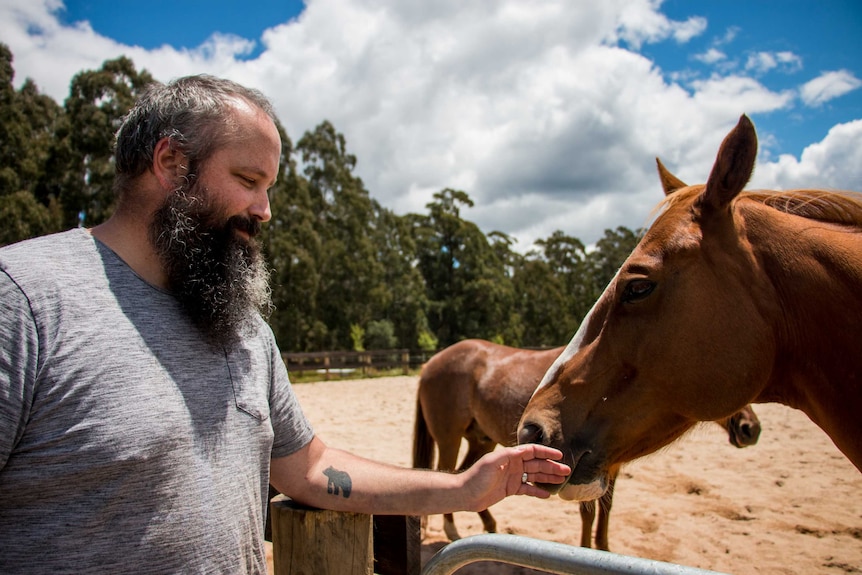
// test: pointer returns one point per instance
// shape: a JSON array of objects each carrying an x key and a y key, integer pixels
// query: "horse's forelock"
[{"x": 683, "y": 196}]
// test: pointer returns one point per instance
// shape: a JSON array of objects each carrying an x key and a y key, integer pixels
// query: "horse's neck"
[{"x": 816, "y": 272}]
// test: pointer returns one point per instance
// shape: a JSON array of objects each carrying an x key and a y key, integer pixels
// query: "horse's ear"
[
  {"x": 733, "y": 166},
  {"x": 669, "y": 182}
]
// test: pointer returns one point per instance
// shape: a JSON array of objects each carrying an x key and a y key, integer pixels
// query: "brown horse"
[
  {"x": 730, "y": 298},
  {"x": 477, "y": 390}
]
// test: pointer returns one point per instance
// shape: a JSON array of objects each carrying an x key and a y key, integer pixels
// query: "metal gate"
[{"x": 547, "y": 556}]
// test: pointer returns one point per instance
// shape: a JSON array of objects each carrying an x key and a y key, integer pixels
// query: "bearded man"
[{"x": 144, "y": 405}]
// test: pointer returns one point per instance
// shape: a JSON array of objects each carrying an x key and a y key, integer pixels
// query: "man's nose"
[{"x": 260, "y": 209}]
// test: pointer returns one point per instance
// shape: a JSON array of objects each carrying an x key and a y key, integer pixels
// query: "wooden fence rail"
[{"x": 355, "y": 363}]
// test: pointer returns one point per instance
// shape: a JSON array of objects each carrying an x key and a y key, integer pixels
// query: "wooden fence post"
[
  {"x": 397, "y": 545},
  {"x": 308, "y": 541},
  {"x": 405, "y": 362}
]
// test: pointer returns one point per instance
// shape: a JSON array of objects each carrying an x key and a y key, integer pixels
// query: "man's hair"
[{"x": 195, "y": 112}]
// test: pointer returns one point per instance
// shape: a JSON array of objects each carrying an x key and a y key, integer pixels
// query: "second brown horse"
[{"x": 477, "y": 390}]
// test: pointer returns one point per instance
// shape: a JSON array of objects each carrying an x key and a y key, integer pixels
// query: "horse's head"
[{"x": 663, "y": 346}]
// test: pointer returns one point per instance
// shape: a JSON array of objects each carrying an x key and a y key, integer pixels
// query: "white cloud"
[
  {"x": 762, "y": 62},
  {"x": 532, "y": 108},
  {"x": 729, "y": 94},
  {"x": 640, "y": 21},
  {"x": 835, "y": 162},
  {"x": 729, "y": 35},
  {"x": 711, "y": 56},
  {"x": 828, "y": 86},
  {"x": 685, "y": 31}
]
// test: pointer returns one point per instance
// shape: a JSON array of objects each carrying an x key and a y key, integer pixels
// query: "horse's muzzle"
[
  {"x": 584, "y": 491},
  {"x": 581, "y": 485}
]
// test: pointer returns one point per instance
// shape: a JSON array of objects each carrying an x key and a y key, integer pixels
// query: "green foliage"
[
  {"x": 98, "y": 100},
  {"x": 24, "y": 217},
  {"x": 357, "y": 335},
  {"x": 426, "y": 341},
  {"x": 544, "y": 304},
  {"x": 293, "y": 245},
  {"x": 27, "y": 122},
  {"x": 339, "y": 261},
  {"x": 380, "y": 335},
  {"x": 466, "y": 282},
  {"x": 350, "y": 280},
  {"x": 610, "y": 253}
]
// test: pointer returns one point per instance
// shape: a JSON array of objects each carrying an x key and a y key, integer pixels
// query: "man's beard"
[{"x": 219, "y": 277}]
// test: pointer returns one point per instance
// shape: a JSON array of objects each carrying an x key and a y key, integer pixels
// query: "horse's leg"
[
  {"x": 448, "y": 459},
  {"x": 588, "y": 514},
  {"x": 478, "y": 445},
  {"x": 423, "y": 453},
  {"x": 605, "y": 504},
  {"x": 488, "y": 521},
  {"x": 449, "y": 527}
]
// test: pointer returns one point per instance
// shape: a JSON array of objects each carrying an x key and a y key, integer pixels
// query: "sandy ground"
[{"x": 790, "y": 504}]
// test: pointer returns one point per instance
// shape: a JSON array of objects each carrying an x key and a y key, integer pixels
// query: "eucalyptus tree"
[
  {"x": 13, "y": 125},
  {"x": 558, "y": 285},
  {"x": 501, "y": 244},
  {"x": 567, "y": 256},
  {"x": 350, "y": 276},
  {"x": 610, "y": 252},
  {"x": 402, "y": 297},
  {"x": 470, "y": 294},
  {"x": 542, "y": 303},
  {"x": 81, "y": 170},
  {"x": 293, "y": 248},
  {"x": 24, "y": 217},
  {"x": 27, "y": 122}
]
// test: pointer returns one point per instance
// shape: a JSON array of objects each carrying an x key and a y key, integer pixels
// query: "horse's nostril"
[
  {"x": 530, "y": 433},
  {"x": 754, "y": 431}
]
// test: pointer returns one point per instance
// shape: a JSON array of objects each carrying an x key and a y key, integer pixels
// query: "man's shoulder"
[
  {"x": 37, "y": 259},
  {"x": 48, "y": 246}
]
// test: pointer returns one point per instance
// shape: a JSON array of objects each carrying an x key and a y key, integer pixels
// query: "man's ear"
[{"x": 170, "y": 165}]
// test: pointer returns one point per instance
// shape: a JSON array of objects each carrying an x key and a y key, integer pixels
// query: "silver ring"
[{"x": 524, "y": 477}]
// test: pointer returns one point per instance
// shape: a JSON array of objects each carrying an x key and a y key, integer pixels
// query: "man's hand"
[{"x": 512, "y": 471}]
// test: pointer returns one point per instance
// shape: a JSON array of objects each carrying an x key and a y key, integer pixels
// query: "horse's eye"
[{"x": 637, "y": 290}]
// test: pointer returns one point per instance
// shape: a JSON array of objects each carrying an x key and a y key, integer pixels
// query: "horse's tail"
[{"x": 423, "y": 443}]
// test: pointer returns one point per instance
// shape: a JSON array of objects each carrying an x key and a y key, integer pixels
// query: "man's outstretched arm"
[{"x": 328, "y": 478}]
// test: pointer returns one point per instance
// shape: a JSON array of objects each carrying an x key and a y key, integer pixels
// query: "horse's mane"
[
  {"x": 837, "y": 207},
  {"x": 823, "y": 205}
]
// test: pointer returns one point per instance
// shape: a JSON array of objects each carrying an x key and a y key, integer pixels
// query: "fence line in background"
[
  {"x": 359, "y": 363},
  {"x": 355, "y": 363}
]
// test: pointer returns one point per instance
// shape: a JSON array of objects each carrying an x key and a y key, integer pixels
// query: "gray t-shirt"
[{"x": 127, "y": 444}]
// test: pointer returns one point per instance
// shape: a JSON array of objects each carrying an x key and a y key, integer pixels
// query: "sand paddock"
[{"x": 790, "y": 504}]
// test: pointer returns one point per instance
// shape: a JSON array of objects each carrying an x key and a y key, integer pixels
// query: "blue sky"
[
  {"x": 548, "y": 114},
  {"x": 825, "y": 35},
  {"x": 183, "y": 24}
]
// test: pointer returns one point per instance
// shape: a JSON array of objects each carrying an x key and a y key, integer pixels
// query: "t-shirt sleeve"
[
  {"x": 291, "y": 428},
  {"x": 18, "y": 364}
]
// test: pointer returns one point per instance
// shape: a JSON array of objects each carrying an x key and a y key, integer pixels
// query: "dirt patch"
[{"x": 790, "y": 504}]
